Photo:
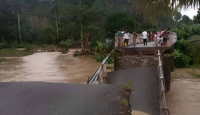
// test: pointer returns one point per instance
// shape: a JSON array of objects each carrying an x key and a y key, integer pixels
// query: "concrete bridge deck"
[{"x": 145, "y": 84}]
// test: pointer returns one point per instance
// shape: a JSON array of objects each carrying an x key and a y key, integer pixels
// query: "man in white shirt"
[
  {"x": 126, "y": 38},
  {"x": 144, "y": 36}
]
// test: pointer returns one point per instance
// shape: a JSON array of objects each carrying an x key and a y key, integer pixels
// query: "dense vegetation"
[
  {"x": 67, "y": 21},
  {"x": 91, "y": 22},
  {"x": 187, "y": 48}
]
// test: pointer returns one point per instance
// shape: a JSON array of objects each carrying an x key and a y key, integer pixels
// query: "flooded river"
[
  {"x": 184, "y": 96},
  {"x": 48, "y": 67}
]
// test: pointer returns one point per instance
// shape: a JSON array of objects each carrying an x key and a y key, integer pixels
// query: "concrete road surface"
[
  {"x": 59, "y": 99},
  {"x": 145, "y": 83}
]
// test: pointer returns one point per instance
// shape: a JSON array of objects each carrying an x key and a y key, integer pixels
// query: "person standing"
[
  {"x": 144, "y": 36},
  {"x": 160, "y": 40},
  {"x": 156, "y": 39},
  {"x": 149, "y": 36},
  {"x": 141, "y": 38},
  {"x": 165, "y": 35},
  {"x": 126, "y": 38},
  {"x": 119, "y": 35},
  {"x": 134, "y": 37}
]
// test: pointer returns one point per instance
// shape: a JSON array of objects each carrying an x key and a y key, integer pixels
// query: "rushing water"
[
  {"x": 48, "y": 67},
  {"x": 184, "y": 96}
]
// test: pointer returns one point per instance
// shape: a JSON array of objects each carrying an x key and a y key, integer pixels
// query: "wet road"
[
  {"x": 48, "y": 67},
  {"x": 59, "y": 99},
  {"x": 144, "y": 98}
]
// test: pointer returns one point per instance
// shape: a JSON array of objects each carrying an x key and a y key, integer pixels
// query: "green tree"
[
  {"x": 197, "y": 17},
  {"x": 177, "y": 17},
  {"x": 8, "y": 23},
  {"x": 119, "y": 21},
  {"x": 185, "y": 19}
]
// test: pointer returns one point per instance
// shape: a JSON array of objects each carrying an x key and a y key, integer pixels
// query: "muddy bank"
[
  {"x": 48, "y": 67},
  {"x": 184, "y": 96}
]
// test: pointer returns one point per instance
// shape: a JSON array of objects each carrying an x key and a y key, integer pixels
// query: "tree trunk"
[
  {"x": 135, "y": 19},
  {"x": 57, "y": 28},
  {"x": 19, "y": 28},
  {"x": 82, "y": 37},
  {"x": 37, "y": 14},
  {"x": 57, "y": 21},
  {"x": 82, "y": 47},
  {"x": 85, "y": 41}
]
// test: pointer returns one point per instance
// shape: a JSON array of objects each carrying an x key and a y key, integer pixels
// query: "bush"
[
  {"x": 181, "y": 45},
  {"x": 67, "y": 42},
  {"x": 180, "y": 59},
  {"x": 100, "y": 58},
  {"x": 2, "y": 45},
  {"x": 194, "y": 38}
]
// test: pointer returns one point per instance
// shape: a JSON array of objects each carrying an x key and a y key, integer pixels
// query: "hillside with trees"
[{"x": 66, "y": 22}]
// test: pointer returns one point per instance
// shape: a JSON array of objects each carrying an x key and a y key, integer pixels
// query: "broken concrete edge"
[{"x": 125, "y": 95}]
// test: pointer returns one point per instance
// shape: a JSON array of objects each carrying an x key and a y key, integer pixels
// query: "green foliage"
[
  {"x": 185, "y": 20},
  {"x": 180, "y": 59},
  {"x": 100, "y": 58},
  {"x": 194, "y": 38},
  {"x": 181, "y": 45},
  {"x": 67, "y": 43},
  {"x": 2, "y": 45},
  {"x": 197, "y": 17},
  {"x": 128, "y": 87},
  {"x": 110, "y": 67},
  {"x": 177, "y": 16},
  {"x": 124, "y": 102},
  {"x": 119, "y": 21},
  {"x": 12, "y": 52},
  {"x": 99, "y": 47},
  {"x": 193, "y": 50},
  {"x": 100, "y": 19},
  {"x": 187, "y": 53},
  {"x": 185, "y": 31}
]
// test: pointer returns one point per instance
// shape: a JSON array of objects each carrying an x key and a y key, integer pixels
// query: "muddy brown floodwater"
[
  {"x": 184, "y": 96},
  {"x": 48, "y": 67}
]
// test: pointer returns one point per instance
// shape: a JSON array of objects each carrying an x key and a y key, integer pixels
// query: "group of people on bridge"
[{"x": 162, "y": 38}]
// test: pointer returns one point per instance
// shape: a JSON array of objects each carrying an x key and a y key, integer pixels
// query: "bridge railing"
[
  {"x": 163, "y": 100},
  {"x": 99, "y": 73}
]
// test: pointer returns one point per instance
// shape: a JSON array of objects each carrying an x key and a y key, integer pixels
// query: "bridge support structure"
[{"x": 145, "y": 56}]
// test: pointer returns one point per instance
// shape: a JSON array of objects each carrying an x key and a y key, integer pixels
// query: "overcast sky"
[{"x": 191, "y": 12}]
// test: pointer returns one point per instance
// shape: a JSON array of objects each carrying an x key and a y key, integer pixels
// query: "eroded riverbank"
[
  {"x": 48, "y": 67},
  {"x": 184, "y": 96}
]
